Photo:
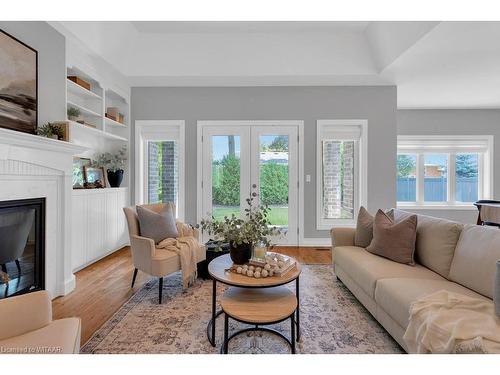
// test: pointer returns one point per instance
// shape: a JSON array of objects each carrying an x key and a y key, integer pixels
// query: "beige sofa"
[
  {"x": 449, "y": 256},
  {"x": 26, "y": 327}
]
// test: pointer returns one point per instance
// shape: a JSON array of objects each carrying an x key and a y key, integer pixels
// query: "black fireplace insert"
[{"x": 22, "y": 246}]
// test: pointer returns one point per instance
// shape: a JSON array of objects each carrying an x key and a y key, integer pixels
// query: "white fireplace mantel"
[{"x": 37, "y": 167}]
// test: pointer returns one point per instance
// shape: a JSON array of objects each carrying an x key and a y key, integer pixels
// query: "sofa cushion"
[
  {"x": 395, "y": 296},
  {"x": 366, "y": 268},
  {"x": 394, "y": 240},
  {"x": 436, "y": 241},
  {"x": 474, "y": 263},
  {"x": 62, "y": 336}
]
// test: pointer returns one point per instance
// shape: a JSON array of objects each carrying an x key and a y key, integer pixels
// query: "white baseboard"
[{"x": 319, "y": 242}]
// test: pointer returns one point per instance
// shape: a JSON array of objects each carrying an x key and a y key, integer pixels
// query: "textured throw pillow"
[
  {"x": 395, "y": 241},
  {"x": 364, "y": 227},
  {"x": 157, "y": 226}
]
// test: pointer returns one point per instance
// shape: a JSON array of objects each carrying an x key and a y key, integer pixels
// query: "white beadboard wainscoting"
[{"x": 98, "y": 224}]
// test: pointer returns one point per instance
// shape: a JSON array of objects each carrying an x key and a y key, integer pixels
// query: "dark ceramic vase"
[
  {"x": 240, "y": 254},
  {"x": 115, "y": 178}
]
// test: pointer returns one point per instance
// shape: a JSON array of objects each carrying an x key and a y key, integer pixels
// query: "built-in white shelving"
[
  {"x": 85, "y": 111},
  {"x": 76, "y": 127},
  {"x": 81, "y": 91}
]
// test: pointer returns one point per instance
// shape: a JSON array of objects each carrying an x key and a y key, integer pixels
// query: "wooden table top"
[
  {"x": 262, "y": 306},
  {"x": 219, "y": 266}
]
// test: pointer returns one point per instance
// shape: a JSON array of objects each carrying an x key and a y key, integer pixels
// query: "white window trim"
[
  {"x": 360, "y": 178},
  {"x": 482, "y": 144},
  {"x": 159, "y": 130}
]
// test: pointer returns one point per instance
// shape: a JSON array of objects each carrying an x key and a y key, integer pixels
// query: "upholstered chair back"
[{"x": 133, "y": 221}]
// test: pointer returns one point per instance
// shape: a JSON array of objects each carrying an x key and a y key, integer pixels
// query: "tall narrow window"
[
  {"x": 339, "y": 178},
  {"x": 163, "y": 172},
  {"x": 443, "y": 170}
]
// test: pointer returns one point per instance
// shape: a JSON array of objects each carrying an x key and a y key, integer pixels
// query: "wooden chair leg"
[
  {"x": 133, "y": 278},
  {"x": 161, "y": 290}
]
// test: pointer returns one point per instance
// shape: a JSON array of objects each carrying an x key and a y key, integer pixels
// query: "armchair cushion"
[
  {"x": 157, "y": 226},
  {"x": 24, "y": 313}
]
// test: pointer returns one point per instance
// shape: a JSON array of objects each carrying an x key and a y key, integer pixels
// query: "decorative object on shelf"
[
  {"x": 114, "y": 164},
  {"x": 78, "y": 176},
  {"x": 241, "y": 234},
  {"x": 113, "y": 113},
  {"x": 19, "y": 86},
  {"x": 55, "y": 130},
  {"x": 73, "y": 113},
  {"x": 80, "y": 82},
  {"x": 273, "y": 265},
  {"x": 86, "y": 124},
  {"x": 94, "y": 178}
]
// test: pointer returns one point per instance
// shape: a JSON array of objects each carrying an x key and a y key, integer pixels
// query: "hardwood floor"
[{"x": 103, "y": 287}]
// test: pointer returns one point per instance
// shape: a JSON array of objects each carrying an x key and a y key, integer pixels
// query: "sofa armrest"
[
  {"x": 24, "y": 313},
  {"x": 342, "y": 236}
]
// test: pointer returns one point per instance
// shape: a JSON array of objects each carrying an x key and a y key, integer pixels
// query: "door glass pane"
[
  {"x": 407, "y": 182},
  {"x": 466, "y": 177},
  {"x": 225, "y": 175},
  {"x": 338, "y": 179},
  {"x": 435, "y": 177},
  {"x": 163, "y": 174},
  {"x": 273, "y": 172}
]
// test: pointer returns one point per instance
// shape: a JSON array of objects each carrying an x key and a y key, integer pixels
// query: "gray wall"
[
  {"x": 455, "y": 122},
  {"x": 51, "y": 48},
  {"x": 376, "y": 104}
]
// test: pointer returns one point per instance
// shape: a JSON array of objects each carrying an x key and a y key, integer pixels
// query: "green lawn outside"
[{"x": 277, "y": 215}]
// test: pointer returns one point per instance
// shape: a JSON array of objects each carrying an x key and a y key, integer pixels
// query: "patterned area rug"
[{"x": 332, "y": 321}]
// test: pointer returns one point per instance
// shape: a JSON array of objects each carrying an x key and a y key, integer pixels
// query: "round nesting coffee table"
[
  {"x": 218, "y": 270},
  {"x": 258, "y": 307}
]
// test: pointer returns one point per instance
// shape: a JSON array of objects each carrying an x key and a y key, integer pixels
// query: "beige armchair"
[
  {"x": 26, "y": 327},
  {"x": 151, "y": 260}
]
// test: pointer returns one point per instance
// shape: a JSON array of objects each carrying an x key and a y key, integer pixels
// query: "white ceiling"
[{"x": 433, "y": 64}]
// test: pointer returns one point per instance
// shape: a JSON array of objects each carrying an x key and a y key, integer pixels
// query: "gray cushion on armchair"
[{"x": 157, "y": 225}]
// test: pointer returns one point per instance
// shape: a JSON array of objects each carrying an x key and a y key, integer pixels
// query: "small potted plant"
[
  {"x": 51, "y": 130},
  {"x": 243, "y": 234},
  {"x": 114, "y": 164},
  {"x": 73, "y": 113}
]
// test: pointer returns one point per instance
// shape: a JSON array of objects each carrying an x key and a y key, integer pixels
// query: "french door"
[{"x": 240, "y": 159}]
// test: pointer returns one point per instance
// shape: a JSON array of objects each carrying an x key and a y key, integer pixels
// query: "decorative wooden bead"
[
  {"x": 251, "y": 268},
  {"x": 239, "y": 269},
  {"x": 244, "y": 271},
  {"x": 258, "y": 269},
  {"x": 264, "y": 273},
  {"x": 256, "y": 274},
  {"x": 250, "y": 273},
  {"x": 271, "y": 272},
  {"x": 267, "y": 267}
]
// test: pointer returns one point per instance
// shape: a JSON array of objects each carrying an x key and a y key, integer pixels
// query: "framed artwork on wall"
[{"x": 18, "y": 85}]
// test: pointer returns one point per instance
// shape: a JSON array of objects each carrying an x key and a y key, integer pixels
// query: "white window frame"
[
  {"x": 159, "y": 130},
  {"x": 360, "y": 170},
  {"x": 451, "y": 146}
]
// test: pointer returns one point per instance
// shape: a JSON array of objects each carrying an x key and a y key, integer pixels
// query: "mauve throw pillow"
[
  {"x": 395, "y": 241},
  {"x": 157, "y": 226},
  {"x": 364, "y": 227}
]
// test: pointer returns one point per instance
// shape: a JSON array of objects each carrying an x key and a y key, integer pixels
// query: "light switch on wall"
[{"x": 308, "y": 178}]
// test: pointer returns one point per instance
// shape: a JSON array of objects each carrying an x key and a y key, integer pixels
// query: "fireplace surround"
[{"x": 33, "y": 167}]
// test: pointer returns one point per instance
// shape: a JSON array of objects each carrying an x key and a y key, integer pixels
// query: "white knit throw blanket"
[
  {"x": 446, "y": 322},
  {"x": 185, "y": 246}
]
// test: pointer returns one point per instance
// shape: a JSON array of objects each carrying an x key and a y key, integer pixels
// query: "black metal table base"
[
  {"x": 227, "y": 338},
  {"x": 216, "y": 314}
]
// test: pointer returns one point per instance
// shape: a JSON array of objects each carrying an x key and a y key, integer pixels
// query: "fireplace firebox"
[{"x": 22, "y": 246}]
